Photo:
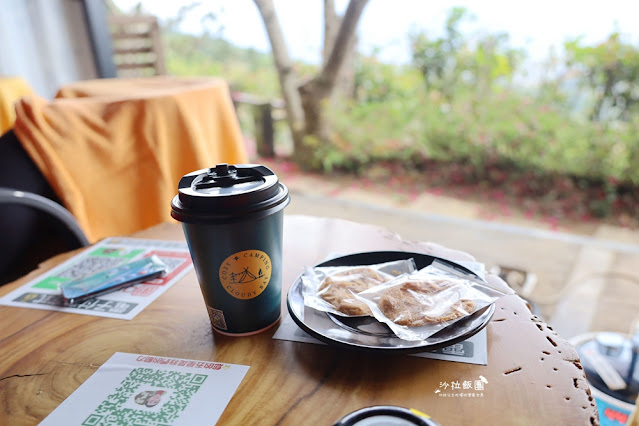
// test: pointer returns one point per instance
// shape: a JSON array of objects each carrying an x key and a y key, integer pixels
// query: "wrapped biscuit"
[
  {"x": 420, "y": 304},
  {"x": 332, "y": 289}
]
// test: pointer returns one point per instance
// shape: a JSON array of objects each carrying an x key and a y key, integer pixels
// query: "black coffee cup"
[{"x": 232, "y": 217}]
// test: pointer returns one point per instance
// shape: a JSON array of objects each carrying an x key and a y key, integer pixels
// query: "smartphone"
[{"x": 112, "y": 279}]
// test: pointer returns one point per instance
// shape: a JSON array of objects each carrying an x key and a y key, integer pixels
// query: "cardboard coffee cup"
[{"x": 232, "y": 217}]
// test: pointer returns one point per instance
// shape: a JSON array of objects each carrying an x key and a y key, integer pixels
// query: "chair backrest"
[
  {"x": 51, "y": 208},
  {"x": 40, "y": 228},
  {"x": 137, "y": 45}
]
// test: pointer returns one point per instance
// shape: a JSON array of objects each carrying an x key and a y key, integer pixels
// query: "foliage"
[
  {"x": 458, "y": 109},
  {"x": 468, "y": 114},
  {"x": 611, "y": 71},
  {"x": 451, "y": 63},
  {"x": 504, "y": 128},
  {"x": 506, "y": 142},
  {"x": 247, "y": 70}
]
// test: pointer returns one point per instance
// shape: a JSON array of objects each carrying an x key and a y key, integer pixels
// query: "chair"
[
  {"x": 110, "y": 152},
  {"x": 137, "y": 45},
  {"x": 34, "y": 225},
  {"x": 46, "y": 229}
]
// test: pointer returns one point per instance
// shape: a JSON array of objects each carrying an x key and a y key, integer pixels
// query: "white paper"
[
  {"x": 151, "y": 390},
  {"x": 473, "y": 350},
  {"x": 43, "y": 292}
]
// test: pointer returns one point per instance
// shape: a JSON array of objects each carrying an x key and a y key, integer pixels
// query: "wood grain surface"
[{"x": 534, "y": 376}]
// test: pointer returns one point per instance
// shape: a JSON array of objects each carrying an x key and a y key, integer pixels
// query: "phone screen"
[{"x": 112, "y": 279}]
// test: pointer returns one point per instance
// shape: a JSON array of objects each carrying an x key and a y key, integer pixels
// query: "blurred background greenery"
[{"x": 463, "y": 111}]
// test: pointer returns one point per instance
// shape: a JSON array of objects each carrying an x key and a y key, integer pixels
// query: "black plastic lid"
[
  {"x": 385, "y": 414},
  {"x": 228, "y": 192}
]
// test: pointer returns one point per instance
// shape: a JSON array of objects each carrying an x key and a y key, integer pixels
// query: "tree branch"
[
  {"x": 283, "y": 63},
  {"x": 330, "y": 71},
  {"x": 331, "y": 25}
]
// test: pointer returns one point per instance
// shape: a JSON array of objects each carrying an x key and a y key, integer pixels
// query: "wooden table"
[
  {"x": 534, "y": 376},
  {"x": 143, "y": 133}
]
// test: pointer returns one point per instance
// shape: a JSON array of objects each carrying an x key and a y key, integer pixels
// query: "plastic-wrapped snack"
[
  {"x": 419, "y": 305},
  {"x": 331, "y": 289},
  {"x": 337, "y": 289},
  {"x": 432, "y": 301}
]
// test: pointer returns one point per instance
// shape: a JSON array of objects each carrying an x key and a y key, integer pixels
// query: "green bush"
[{"x": 502, "y": 128}]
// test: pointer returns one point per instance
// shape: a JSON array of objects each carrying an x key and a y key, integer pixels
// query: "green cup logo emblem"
[{"x": 246, "y": 274}]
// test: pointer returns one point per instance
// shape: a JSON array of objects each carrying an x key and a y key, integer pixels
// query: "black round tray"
[{"x": 366, "y": 333}]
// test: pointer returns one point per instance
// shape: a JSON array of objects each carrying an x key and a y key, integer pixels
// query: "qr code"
[
  {"x": 217, "y": 318},
  {"x": 172, "y": 262},
  {"x": 89, "y": 266},
  {"x": 147, "y": 397}
]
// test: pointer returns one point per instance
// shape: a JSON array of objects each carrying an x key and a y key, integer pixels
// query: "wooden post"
[
  {"x": 263, "y": 120},
  {"x": 264, "y": 131}
]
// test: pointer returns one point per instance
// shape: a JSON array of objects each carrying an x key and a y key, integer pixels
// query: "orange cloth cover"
[
  {"x": 115, "y": 156},
  {"x": 11, "y": 89}
]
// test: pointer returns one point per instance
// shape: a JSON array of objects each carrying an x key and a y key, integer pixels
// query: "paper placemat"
[
  {"x": 43, "y": 291},
  {"x": 473, "y": 350},
  {"x": 149, "y": 390}
]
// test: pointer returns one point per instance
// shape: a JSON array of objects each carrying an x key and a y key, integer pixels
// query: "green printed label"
[
  {"x": 119, "y": 252},
  {"x": 51, "y": 283}
]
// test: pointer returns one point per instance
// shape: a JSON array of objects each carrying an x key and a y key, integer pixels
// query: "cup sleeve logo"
[{"x": 246, "y": 274}]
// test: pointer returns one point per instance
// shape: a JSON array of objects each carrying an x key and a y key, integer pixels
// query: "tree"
[
  {"x": 305, "y": 100},
  {"x": 451, "y": 62},
  {"x": 610, "y": 70}
]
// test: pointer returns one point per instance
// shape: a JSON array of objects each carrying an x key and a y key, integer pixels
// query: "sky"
[{"x": 385, "y": 24}]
